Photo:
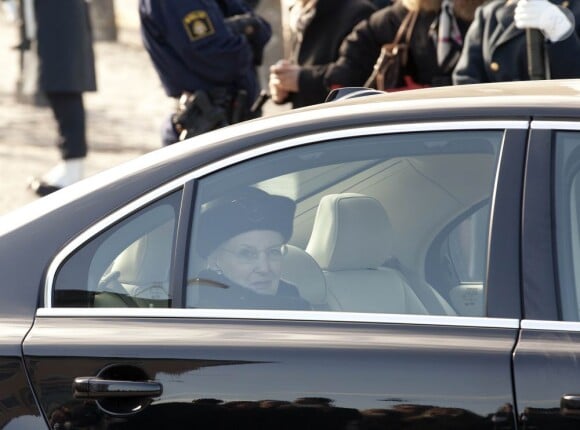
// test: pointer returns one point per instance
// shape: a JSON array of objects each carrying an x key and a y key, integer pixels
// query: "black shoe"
[{"x": 41, "y": 188}]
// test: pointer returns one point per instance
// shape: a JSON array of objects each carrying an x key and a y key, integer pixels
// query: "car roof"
[
  {"x": 550, "y": 99},
  {"x": 536, "y": 94}
]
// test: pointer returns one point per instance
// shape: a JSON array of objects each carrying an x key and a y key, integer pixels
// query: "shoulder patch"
[{"x": 198, "y": 25}]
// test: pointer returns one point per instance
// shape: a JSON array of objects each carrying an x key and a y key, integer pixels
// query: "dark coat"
[
  {"x": 221, "y": 292},
  {"x": 495, "y": 50},
  {"x": 193, "y": 48},
  {"x": 65, "y": 46},
  {"x": 361, "y": 48},
  {"x": 333, "y": 21}
]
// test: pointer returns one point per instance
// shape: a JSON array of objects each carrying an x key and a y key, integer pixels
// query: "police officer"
[
  {"x": 61, "y": 32},
  {"x": 495, "y": 45},
  {"x": 203, "y": 52}
]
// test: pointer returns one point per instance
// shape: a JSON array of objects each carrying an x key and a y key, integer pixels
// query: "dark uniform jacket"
[
  {"x": 221, "y": 292},
  {"x": 333, "y": 21},
  {"x": 65, "y": 50},
  {"x": 495, "y": 50},
  {"x": 361, "y": 48},
  {"x": 192, "y": 47}
]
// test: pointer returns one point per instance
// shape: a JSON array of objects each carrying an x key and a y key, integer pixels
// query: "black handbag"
[{"x": 389, "y": 69}]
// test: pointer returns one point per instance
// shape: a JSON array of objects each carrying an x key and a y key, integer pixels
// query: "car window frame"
[
  {"x": 541, "y": 295},
  {"x": 509, "y": 127},
  {"x": 102, "y": 233}
]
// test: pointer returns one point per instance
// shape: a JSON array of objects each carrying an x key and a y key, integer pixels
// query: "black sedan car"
[{"x": 396, "y": 261}]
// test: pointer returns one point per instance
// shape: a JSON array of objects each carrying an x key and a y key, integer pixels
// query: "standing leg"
[{"x": 69, "y": 113}]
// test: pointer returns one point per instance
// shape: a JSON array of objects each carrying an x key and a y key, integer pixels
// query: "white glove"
[{"x": 545, "y": 16}]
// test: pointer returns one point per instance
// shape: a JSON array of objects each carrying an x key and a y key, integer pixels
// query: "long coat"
[
  {"x": 319, "y": 45},
  {"x": 65, "y": 49},
  {"x": 359, "y": 51},
  {"x": 495, "y": 50}
]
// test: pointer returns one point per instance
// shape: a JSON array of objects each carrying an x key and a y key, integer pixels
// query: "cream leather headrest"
[{"x": 351, "y": 231}]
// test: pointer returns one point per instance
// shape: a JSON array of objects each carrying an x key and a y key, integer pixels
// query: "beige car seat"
[
  {"x": 351, "y": 238},
  {"x": 140, "y": 274},
  {"x": 302, "y": 271}
]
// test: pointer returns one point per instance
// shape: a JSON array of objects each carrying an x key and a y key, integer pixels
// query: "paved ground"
[{"x": 123, "y": 116}]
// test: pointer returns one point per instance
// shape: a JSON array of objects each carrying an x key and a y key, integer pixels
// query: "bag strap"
[{"x": 405, "y": 30}]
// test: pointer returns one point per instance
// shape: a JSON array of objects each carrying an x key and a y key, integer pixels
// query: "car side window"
[
  {"x": 347, "y": 226},
  {"x": 567, "y": 221},
  {"x": 127, "y": 265},
  {"x": 456, "y": 262}
]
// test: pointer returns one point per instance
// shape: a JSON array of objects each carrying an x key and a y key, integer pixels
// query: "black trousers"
[{"x": 69, "y": 112}]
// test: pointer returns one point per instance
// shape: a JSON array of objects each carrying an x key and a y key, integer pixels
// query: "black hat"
[{"x": 249, "y": 209}]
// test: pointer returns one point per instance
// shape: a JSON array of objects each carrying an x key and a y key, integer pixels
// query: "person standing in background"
[
  {"x": 434, "y": 47},
  {"x": 204, "y": 52},
  {"x": 317, "y": 28},
  {"x": 61, "y": 32},
  {"x": 495, "y": 46}
]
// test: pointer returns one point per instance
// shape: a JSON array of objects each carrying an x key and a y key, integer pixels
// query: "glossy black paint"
[
  {"x": 216, "y": 372},
  {"x": 546, "y": 368},
  {"x": 540, "y": 300},
  {"x": 17, "y": 402},
  {"x": 18, "y": 408},
  {"x": 503, "y": 271}
]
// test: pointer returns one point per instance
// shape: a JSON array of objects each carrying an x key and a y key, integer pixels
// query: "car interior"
[
  {"x": 125, "y": 266},
  {"x": 397, "y": 232},
  {"x": 351, "y": 238},
  {"x": 567, "y": 222},
  {"x": 383, "y": 224}
]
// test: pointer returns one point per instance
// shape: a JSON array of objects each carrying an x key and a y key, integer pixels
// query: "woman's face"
[{"x": 253, "y": 260}]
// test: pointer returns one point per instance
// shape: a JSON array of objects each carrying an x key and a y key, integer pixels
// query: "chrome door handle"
[
  {"x": 90, "y": 387},
  {"x": 570, "y": 404}
]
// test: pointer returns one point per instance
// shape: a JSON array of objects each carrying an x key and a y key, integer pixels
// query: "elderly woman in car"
[{"x": 243, "y": 239}]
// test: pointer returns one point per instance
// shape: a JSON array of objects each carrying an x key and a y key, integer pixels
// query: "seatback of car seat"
[
  {"x": 301, "y": 270},
  {"x": 142, "y": 270},
  {"x": 351, "y": 238}
]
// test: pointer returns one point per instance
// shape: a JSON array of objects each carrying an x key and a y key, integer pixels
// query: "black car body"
[{"x": 470, "y": 322}]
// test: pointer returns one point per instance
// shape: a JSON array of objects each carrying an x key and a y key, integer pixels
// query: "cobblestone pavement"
[{"x": 123, "y": 116}]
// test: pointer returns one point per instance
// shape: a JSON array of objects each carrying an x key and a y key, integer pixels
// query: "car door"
[
  {"x": 124, "y": 339},
  {"x": 546, "y": 369}
]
